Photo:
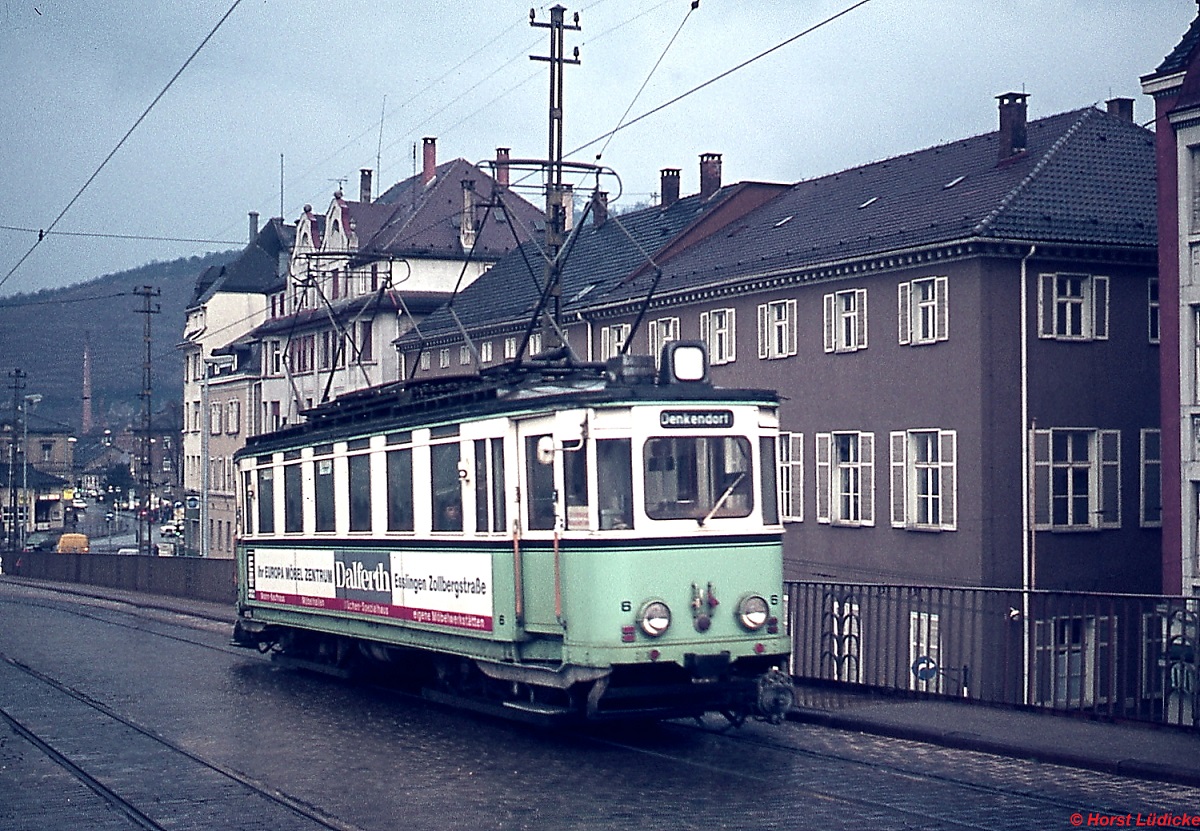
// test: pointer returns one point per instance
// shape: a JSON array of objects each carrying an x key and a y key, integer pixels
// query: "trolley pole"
[
  {"x": 556, "y": 194},
  {"x": 145, "y": 477}
]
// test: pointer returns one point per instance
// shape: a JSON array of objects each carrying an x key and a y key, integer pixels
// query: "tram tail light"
[{"x": 628, "y": 634}]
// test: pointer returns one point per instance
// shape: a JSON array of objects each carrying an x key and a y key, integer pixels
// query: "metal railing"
[{"x": 1112, "y": 656}]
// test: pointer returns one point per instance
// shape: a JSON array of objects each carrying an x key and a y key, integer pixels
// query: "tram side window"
[
  {"x": 400, "y": 490},
  {"x": 266, "y": 500},
  {"x": 247, "y": 503},
  {"x": 695, "y": 477},
  {"x": 539, "y": 487},
  {"x": 360, "y": 492},
  {"x": 489, "y": 486},
  {"x": 324, "y": 494},
  {"x": 447, "y": 489},
  {"x": 499, "y": 504},
  {"x": 575, "y": 478},
  {"x": 614, "y": 471},
  {"x": 293, "y": 500}
]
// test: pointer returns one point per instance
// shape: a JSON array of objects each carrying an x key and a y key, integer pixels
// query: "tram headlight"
[
  {"x": 654, "y": 618},
  {"x": 752, "y": 612}
]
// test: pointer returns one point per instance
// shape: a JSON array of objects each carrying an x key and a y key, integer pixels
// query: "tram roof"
[{"x": 505, "y": 389}]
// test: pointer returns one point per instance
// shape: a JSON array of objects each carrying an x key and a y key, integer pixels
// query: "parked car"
[
  {"x": 73, "y": 544},
  {"x": 41, "y": 541}
]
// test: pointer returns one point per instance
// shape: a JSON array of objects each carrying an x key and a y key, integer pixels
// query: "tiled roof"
[
  {"x": 599, "y": 258},
  {"x": 1086, "y": 177},
  {"x": 415, "y": 219},
  {"x": 1177, "y": 61},
  {"x": 254, "y": 271}
]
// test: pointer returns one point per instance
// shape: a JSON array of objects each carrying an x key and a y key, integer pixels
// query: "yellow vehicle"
[{"x": 73, "y": 544}]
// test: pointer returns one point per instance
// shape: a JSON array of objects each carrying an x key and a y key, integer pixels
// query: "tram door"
[{"x": 554, "y": 498}]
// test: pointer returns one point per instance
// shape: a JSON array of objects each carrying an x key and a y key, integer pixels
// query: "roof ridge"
[{"x": 1011, "y": 196}]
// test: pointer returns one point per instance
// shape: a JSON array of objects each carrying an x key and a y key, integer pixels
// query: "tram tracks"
[
  {"x": 903, "y": 791},
  {"x": 131, "y": 789}
]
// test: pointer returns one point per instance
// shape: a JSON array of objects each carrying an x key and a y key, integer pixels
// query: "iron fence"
[{"x": 1113, "y": 656}]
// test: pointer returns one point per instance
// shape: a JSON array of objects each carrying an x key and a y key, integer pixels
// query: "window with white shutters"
[
  {"x": 923, "y": 311},
  {"x": 924, "y": 474},
  {"x": 846, "y": 321},
  {"x": 777, "y": 330},
  {"x": 1072, "y": 307},
  {"x": 846, "y": 478},
  {"x": 1077, "y": 479},
  {"x": 717, "y": 332}
]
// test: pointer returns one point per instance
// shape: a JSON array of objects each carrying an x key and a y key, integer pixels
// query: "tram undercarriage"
[{"x": 738, "y": 690}]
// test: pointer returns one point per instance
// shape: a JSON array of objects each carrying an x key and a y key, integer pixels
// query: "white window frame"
[
  {"x": 233, "y": 416},
  {"x": 846, "y": 487},
  {"x": 612, "y": 339},
  {"x": 1103, "y": 479},
  {"x": 510, "y": 348},
  {"x": 777, "y": 330},
  {"x": 214, "y": 418},
  {"x": 444, "y": 357},
  {"x": 1073, "y": 307},
  {"x": 929, "y": 482},
  {"x": 485, "y": 352},
  {"x": 1150, "y": 444},
  {"x": 535, "y": 344},
  {"x": 846, "y": 320},
  {"x": 719, "y": 333},
  {"x": 426, "y": 361},
  {"x": 464, "y": 355},
  {"x": 661, "y": 332},
  {"x": 923, "y": 316},
  {"x": 790, "y": 477}
]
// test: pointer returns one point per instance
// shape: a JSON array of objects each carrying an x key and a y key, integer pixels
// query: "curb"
[{"x": 1132, "y": 768}]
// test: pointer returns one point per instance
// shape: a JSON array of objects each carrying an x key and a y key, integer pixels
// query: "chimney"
[
  {"x": 1012, "y": 124},
  {"x": 1122, "y": 108},
  {"x": 599, "y": 207},
  {"x": 710, "y": 174},
  {"x": 466, "y": 226},
  {"x": 502, "y": 166},
  {"x": 364, "y": 185},
  {"x": 668, "y": 186},
  {"x": 430, "y": 169},
  {"x": 253, "y": 225}
]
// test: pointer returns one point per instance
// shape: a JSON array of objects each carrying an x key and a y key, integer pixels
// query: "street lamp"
[{"x": 210, "y": 365}]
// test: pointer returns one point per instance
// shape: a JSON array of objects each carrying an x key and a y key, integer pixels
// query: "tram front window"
[{"x": 698, "y": 477}]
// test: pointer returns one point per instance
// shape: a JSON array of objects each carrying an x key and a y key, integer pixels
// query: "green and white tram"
[{"x": 553, "y": 540}]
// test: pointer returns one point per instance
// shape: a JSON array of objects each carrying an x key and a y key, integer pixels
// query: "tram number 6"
[{"x": 626, "y": 606}]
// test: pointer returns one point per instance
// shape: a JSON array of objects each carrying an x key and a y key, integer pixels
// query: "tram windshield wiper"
[{"x": 737, "y": 480}]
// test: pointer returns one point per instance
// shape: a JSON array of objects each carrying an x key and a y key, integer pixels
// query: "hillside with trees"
[{"x": 44, "y": 333}]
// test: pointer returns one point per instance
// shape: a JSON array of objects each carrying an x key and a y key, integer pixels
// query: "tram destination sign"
[{"x": 691, "y": 419}]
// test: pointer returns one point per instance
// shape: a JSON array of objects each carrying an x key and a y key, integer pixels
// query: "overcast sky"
[{"x": 309, "y": 80}]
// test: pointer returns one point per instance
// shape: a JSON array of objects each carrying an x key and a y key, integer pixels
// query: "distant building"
[
  {"x": 965, "y": 339},
  {"x": 309, "y": 312},
  {"x": 36, "y": 466}
]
